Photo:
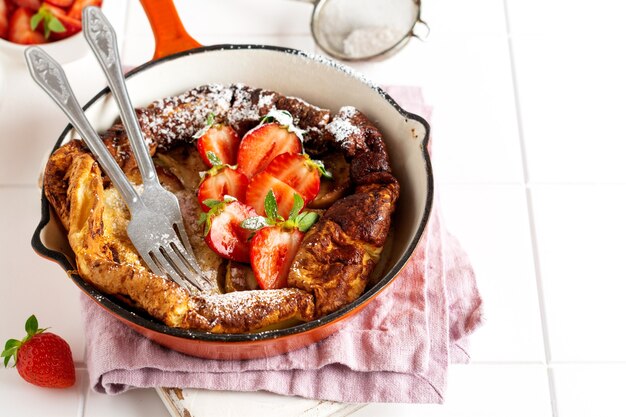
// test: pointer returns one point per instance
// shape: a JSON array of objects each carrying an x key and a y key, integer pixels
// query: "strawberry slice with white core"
[
  {"x": 225, "y": 235},
  {"x": 220, "y": 139},
  {"x": 226, "y": 181},
  {"x": 272, "y": 251},
  {"x": 258, "y": 188},
  {"x": 264, "y": 143},
  {"x": 299, "y": 172}
]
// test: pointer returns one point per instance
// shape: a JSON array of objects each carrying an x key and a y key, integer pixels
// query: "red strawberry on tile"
[{"x": 41, "y": 358}]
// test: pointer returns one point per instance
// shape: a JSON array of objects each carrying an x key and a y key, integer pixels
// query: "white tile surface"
[
  {"x": 491, "y": 222},
  {"x": 462, "y": 17},
  {"x": 573, "y": 18},
  {"x": 19, "y": 398},
  {"x": 134, "y": 403},
  {"x": 589, "y": 390},
  {"x": 30, "y": 284},
  {"x": 580, "y": 233},
  {"x": 571, "y": 91},
  {"x": 468, "y": 82},
  {"x": 482, "y": 391}
]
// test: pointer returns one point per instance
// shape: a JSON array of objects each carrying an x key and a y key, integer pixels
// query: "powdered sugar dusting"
[
  {"x": 239, "y": 307},
  {"x": 341, "y": 127},
  {"x": 164, "y": 122}
]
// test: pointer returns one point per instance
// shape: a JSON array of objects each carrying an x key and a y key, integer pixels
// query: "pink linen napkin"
[{"x": 396, "y": 349}]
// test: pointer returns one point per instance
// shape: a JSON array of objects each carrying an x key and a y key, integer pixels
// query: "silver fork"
[
  {"x": 151, "y": 232},
  {"x": 101, "y": 37}
]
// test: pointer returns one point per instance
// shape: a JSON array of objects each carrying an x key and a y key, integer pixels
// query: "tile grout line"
[{"x": 531, "y": 218}]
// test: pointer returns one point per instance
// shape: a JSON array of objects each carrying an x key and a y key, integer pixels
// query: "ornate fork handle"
[
  {"x": 51, "y": 78},
  {"x": 102, "y": 39}
]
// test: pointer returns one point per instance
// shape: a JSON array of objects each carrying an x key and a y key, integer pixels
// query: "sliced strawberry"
[
  {"x": 76, "y": 12},
  {"x": 71, "y": 25},
  {"x": 33, "y": 5},
  {"x": 20, "y": 31},
  {"x": 226, "y": 181},
  {"x": 262, "y": 144},
  {"x": 225, "y": 235},
  {"x": 4, "y": 19},
  {"x": 297, "y": 171},
  {"x": 223, "y": 141},
  {"x": 272, "y": 251},
  {"x": 60, "y": 3},
  {"x": 258, "y": 188}
]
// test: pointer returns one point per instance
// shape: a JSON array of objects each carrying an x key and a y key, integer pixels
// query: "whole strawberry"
[{"x": 43, "y": 359}]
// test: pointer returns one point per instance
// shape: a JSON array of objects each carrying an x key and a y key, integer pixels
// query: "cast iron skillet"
[{"x": 407, "y": 138}]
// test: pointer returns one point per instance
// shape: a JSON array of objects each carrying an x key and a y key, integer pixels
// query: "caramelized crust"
[{"x": 338, "y": 255}]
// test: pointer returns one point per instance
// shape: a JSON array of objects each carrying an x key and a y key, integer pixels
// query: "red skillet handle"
[{"x": 170, "y": 35}]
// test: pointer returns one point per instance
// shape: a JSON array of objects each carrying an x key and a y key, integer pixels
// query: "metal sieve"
[{"x": 363, "y": 29}]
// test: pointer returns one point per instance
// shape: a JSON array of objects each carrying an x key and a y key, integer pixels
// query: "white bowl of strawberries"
[{"x": 51, "y": 24}]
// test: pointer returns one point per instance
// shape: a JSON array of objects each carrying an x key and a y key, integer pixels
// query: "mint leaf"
[
  {"x": 210, "y": 120},
  {"x": 35, "y": 20},
  {"x": 55, "y": 25},
  {"x": 271, "y": 206},
  {"x": 210, "y": 203},
  {"x": 307, "y": 221},
  {"x": 31, "y": 325},
  {"x": 322, "y": 169},
  {"x": 213, "y": 159},
  {"x": 298, "y": 205}
]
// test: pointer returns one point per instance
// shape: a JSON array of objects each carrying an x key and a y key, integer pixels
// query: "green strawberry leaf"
[
  {"x": 31, "y": 325},
  {"x": 10, "y": 351},
  {"x": 271, "y": 206},
  {"x": 11, "y": 343},
  {"x": 307, "y": 221}
]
